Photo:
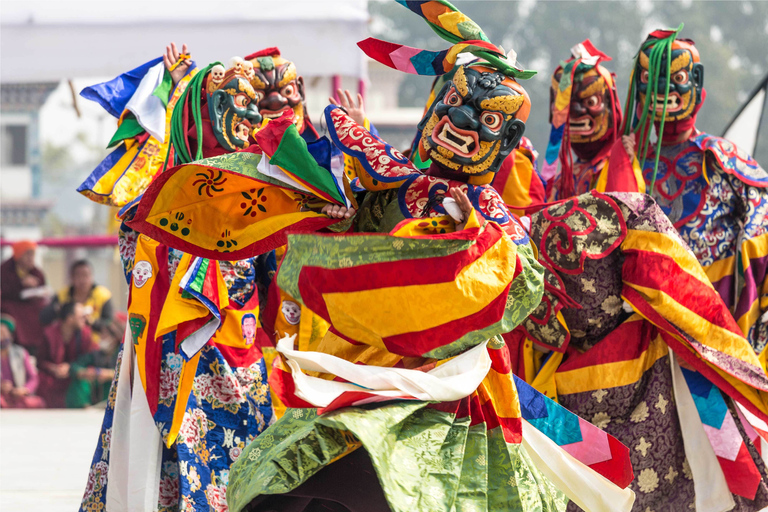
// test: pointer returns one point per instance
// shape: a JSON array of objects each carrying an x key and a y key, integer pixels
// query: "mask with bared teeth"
[
  {"x": 686, "y": 81},
  {"x": 278, "y": 87},
  {"x": 476, "y": 121},
  {"x": 231, "y": 107}
]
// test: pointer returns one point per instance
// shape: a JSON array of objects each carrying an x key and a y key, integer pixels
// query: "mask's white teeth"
[{"x": 451, "y": 138}]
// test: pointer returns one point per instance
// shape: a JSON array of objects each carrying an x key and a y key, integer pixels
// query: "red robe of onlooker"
[
  {"x": 65, "y": 340},
  {"x": 18, "y": 275},
  {"x": 18, "y": 374}
]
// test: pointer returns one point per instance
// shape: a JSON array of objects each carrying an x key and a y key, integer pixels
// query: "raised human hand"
[
  {"x": 355, "y": 109},
  {"x": 464, "y": 204},
  {"x": 177, "y": 63},
  {"x": 628, "y": 141},
  {"x": 336, "y": 211}
]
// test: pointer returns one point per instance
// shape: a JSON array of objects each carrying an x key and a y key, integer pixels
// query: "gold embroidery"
[
  {"x": 290, "y": 74},
  {"x": 508, "y": 104},
  {"x": 460, "y": 81}
]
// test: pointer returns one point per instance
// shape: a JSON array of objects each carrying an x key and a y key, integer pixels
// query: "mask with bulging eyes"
[
  {"x": 278, "y": 86},
  {"x": 476, "y": 121},
  {"x": 591, "y": 113},
  {"x": 232, "y": 106},
  {"x": 686, "y": 81}
]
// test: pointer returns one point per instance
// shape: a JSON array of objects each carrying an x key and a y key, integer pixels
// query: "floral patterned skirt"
[{"x": 227, "y": 409}]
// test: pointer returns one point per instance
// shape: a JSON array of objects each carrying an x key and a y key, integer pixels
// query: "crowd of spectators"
[{"x": 57, "y": 350}]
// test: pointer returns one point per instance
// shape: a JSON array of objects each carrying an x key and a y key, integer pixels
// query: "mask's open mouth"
[
  {"x": 462, "y": 142},
  {"x": 674, "y": 104},
  {"x": 242, "y": 130},
  {"x": 272, "y": 114},
  {"x": 583, "y": 125}
]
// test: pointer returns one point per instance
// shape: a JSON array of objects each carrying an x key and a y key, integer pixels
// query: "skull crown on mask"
[{"x": 232, "y": 105}]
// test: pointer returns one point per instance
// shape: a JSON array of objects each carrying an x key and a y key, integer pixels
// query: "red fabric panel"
[
  {"x": 617, "y": 469},
  {"x": 153, "y": 354},
  {"x": 742, "y": 475},
  {"x": 661, "y": 272}
]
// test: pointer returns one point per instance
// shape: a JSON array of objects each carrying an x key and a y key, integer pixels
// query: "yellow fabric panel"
[
  {"x": 500, "y": 389},
  {"x": 720, "y": 269},
  {"x": 177, "y": 310},
  {"x": 358, "y": 354},
  {"x": 312, "y": 329},
  {"x": 411, "y": 227},
  {"x": 204, "y": 215},
  {"x": 665, "y": 244},
  {"x": 186, "y": 380},
  {"x": 700, "y": 329},
  {"x": 516, "y": 189},
  {"x": 610, "y": 375},
  {"x": 231, "y": 331},
  {"x": 434, "y": 226},
  {"x": 482, "y": 281},
  {"x": 270, "y": 353},
  {"x": 544, "y": 381},
  {"x": 106, "y": 183},
  {"x": 141, "y": 303},
  {"x": 752, "y": 249}
]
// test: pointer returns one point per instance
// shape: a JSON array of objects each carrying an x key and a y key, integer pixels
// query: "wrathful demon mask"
[
  {"x": 476, "y": 120},
  {"x": 231, "y": 105},
  {"x": 278, "y": 86},
  {"x": 686, "y": 79},
  {"x": 592, "y": 106}
]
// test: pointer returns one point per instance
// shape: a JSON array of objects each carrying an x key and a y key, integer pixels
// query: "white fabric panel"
[
  {"x": 133, "y": 479},
  {"x": 148, "y": 109},
  {"x": 119, "y": 446},
  {"x": 712, "y": 494},
  {"x": 145, "y": 456},
  {"x": 273, "y": 171},
  {"x": 197, "y": 340},
  {"x": 450, "y": 381},
  {"x": 583, "y": 485}
]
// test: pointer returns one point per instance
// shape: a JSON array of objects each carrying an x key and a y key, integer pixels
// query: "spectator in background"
[
  {"x": 24, "y": 295},
  {"x": 18, "y": 374},
  {"x": 96, "y": 299},
  {"x": 92, "y": 373},
  {"x": 66, "y": 340}
]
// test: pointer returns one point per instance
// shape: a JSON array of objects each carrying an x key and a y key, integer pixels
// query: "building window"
[{"x": 14, "y": 144}]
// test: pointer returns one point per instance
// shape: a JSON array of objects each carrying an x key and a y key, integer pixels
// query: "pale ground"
[{"x": 44, "y": 458}]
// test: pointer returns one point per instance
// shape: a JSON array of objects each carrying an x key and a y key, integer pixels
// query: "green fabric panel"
[
  {"x": 197, "y": 283},
  {"x": 374, "y": 208},
  {"x": 514, "y": 482},
  {"x": 163, "y": 90},
  {"x": 128, "y": 129},
  {"x": 284, "y": 456},
  {"x": 470, "y": 30},
  {"x": 243, "y": 163},
  {"x": 473, "y": 489},
  {"x": 293, "y": 156},
  {"x": 417, "y": 452},
  {"x": 426, "y": 460}
]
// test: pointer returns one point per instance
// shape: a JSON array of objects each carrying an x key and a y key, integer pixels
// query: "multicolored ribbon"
[{"x": 453, "y": 26}]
